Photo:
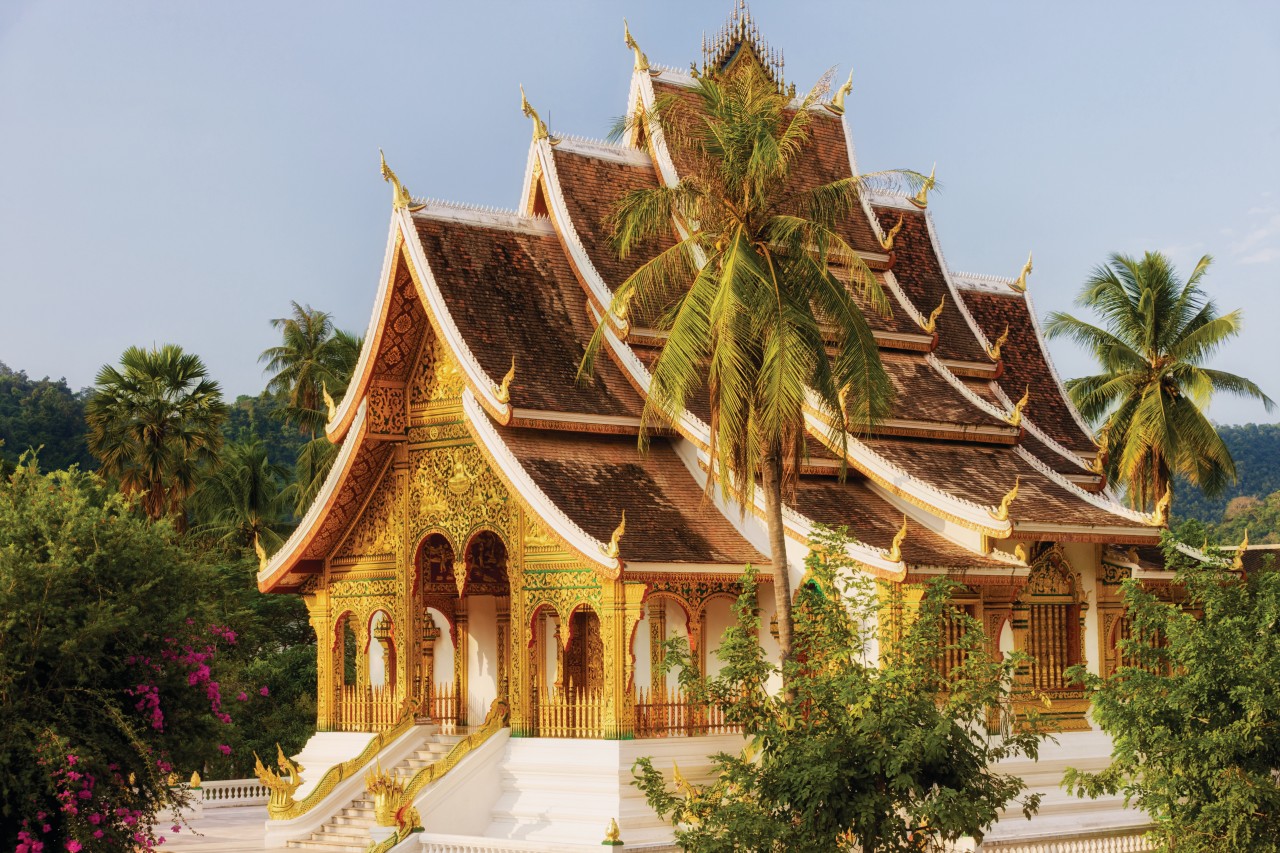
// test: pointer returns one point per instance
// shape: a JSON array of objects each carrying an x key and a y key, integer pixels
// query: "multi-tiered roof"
[{"x": 978, "y": 409}]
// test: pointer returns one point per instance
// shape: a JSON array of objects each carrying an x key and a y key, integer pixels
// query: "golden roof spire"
[
  {"x": 921, "y": 199},
  {"x": 613, "y": 550},
  {"x": 503, "y": 391},
  {"x": 930, "y": 325},
  {"x": 400, "y": 198},
  {"x": 1021, "y": 284},
  {"x": 642, "y": 61},
  {"x": 261, "y": 552},
  {"x": 1160, "y": 518},
  {"x": 1238, "y": 562},
  {"x": 993, "y": 351},
  {"x": 331, "y": 408},
  {"x": 837, "y": 103},
  {"x": 539, "y": 127},
  {"x": 1002, "y": 511},
  {"x": 886, "y": 242},
  {"x": 1015, "y": 417},
  {"x": 895, "y": 550}
]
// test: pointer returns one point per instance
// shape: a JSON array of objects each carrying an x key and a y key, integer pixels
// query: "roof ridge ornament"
[
  {"x": 613, "y": 548},
  {"x": 1002, "y": 511},
  {"x": 895, "y": 550},
  {"x": 503, "y": 391},
  {"x": 837, "y": 101},
  {"x": 993, "y": 351},
  {"x": 1020, "y": 283},
  {"x": 400, "y": 198},
  {"x": 921, "y": 199},
  {"x": 642, "y": 61},
  {"x": 331, "y": 409},
  {"x": 886, "y": 242},
  {"x": 1238, "y": 562},
  {"x": 930, "y": 325},
  {"x": 539, "y": 126},
  {"x": 1015, "y": 417},
  {"x": 1160, "y": 518}
]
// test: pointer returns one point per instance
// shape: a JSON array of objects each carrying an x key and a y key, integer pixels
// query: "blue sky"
[{"x": 177, "y": 172}]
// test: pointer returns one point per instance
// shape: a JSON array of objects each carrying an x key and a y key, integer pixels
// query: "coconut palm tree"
[
  {"x": 155, "y": 424},
  {"x": 757, "y": 297},
  {"x": 246, "y": 501},
  {"x": 313, "y": 357},
  {"x": 1149, "y": 400}
]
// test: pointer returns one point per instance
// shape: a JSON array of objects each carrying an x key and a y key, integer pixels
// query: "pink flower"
[
  {"x": 95, "y": 819},
  {"x": 226, "y": 750},
  {"x": 264, "y": 691},
  {"x": 97, "y": 833},
  {"x": 243, "y": 696},
  {"x": 71, "y": 759},
  {"x": 73, "y": 846}
]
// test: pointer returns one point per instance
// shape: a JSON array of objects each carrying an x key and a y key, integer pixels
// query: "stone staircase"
[{"x": 348, "y": 830}]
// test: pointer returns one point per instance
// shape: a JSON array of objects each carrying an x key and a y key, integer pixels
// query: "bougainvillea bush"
[{"x": 110, "y": 647}]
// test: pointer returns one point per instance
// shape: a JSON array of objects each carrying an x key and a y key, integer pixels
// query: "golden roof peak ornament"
[
  {"x": 261, "y": 552},
  {"x": 1238, "y": 562},
  {"x": 612, "y": 835},
  {"x": 1160, "y": 518},
  {"x": 895, "y": 550},
  {"x": 1002, "y": 511},
  {"x": 612, "y": 550},
  {"x": 993, "y": 351},
  {"x": 921, "y": 199},
  {"x": 837, "y": 102},
  {"x": 539, "y": 127},
  {"x": 400, "y": 198},
  {"x": 930, "y": 325},
  {"x": 642, "y": 61},
  {"x": 195, "y": 780},
  {"x": 886, "y": 242},
  {"x": 503, "y": 391},
  {"x": 1015, "y": 417},
  {"x": 1020, "y": 285},
  {"x": 331, "y": 408}
]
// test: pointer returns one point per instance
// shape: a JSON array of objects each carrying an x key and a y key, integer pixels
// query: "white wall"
[
  {"x": 719, "y": 617},
  {"x": 443, "y": 650},
  {"x": 377, "y": 655},
  {"x": 482, "y": 655}
]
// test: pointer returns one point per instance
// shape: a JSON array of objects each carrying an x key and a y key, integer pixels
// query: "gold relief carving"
[
  {"x": 363, "y": 589},
  {"x": 386, "y": 410},
  {"x": 1113, "y": 575},
  {"x": 437, "y": 380},
  {"x": 692, "y": 591},
  {"x": 452, "y": 490},
  {"x": 536, "y": 538},
  {"x": 377, "y": 531}
]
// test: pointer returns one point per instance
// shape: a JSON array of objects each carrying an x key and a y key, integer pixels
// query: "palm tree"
[
  {"x": 155, "y": 424},
  {"x": 757, "y": 298},
  {"x": 312, "y": 466},
  {"x": 244, "y": 502},
  {"x": 313, "y": 358},
  {"x": 1150, "y": 397}
]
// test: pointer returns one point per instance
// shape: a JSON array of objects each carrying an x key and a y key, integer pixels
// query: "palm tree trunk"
[{"x": 772, "y": 483}]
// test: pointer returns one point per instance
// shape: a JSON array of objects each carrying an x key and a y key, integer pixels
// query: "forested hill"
[
  {"x": 1256, "y": 450},
  {"x": 42, "y": 413}
]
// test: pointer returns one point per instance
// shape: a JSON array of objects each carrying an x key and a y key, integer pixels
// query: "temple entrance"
[
  {"x": 568, "y": 674},
  {"x": 464, "y": 614}
]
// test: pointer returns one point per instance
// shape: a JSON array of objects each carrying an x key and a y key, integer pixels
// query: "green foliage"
[
  {"x": 887, "y": 754},
  {"x": 93, "y": 599},
  {"x": 41, "y": 414},
  {"x": 314, "y": 358},
  {"x": 245, "y": 502},
  {"x": 155, "y": 424},
  {"x": 1196, "y": 719},
  {"x": 1255, "y": 448},
  {"x": 1157, "y": 331},
  {"x": 261, "y": 419}
]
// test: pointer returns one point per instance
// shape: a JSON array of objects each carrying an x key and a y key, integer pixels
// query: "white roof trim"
[
  {"x": 967, "y": 392},
  {"x": 1099, "y": 501},
  {"x": 1066, "y": 453},
  {"x": 603, "y": 150},
  {"x": 488, "y": 217}
]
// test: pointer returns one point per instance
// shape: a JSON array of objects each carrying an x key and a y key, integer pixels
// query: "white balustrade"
[{"x": 225, "y": 793}]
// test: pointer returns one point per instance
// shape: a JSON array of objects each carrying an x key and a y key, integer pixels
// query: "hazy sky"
[{"x": 179, "y": 171}]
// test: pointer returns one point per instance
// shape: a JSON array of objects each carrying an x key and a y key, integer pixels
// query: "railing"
[
  {"x": 367, "y": 709},
  {"x": 226, "y": 793},
  {"x": 442, "y": 707},
  {"x": 1125, "y": 841},
  {"x": 441, "y": 843},
  {"x": 670, "y": 713},
  {"x": 571, "y": 714}
]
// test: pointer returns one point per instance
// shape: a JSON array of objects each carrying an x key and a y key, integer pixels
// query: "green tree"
[
  {"x": 1156, "y": 333},
  {"x": 41, "y": 414},
  {"x": 155, "y": 425},
  {"x": 1195, "y": 716},
  {"x": 245, "y": 502},
  {"x": 313, "y": 358},
  {"x": 756, "y": 295},
  {"x": 106, "y": 661},
  {"x": 887, "y": 753}
]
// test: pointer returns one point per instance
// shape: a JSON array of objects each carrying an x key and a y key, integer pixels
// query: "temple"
[{"x": 492, "y": 563}]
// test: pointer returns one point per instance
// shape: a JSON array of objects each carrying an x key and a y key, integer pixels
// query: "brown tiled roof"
[
  {"x": 511, "y": 292},
  {"x": 983, "y": 474},
  {"x": 593, "y": 478},
  {"x": 919, "y": 271},
  {"x": 874, "y": 521},
  {"x": 921, "y": 394},
  {"x": 1025, "y": 366}
]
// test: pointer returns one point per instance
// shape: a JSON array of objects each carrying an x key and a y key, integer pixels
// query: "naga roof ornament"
[
  {"x": 1160, "y": 518},
  {"x": 1238, "y": 562},
  {"x": 539, "y": 126},
  {"x": 886, "y": 242},
  {"x": 503, "y": 391},
  {"x": 993, "y": 351},
  {"x": 642, "y": 61},
  {"x": 895, "y": 550},
  {"x": 614, "y": 547},
  {"x": 1002, "y": 511},
  {"x": 1020, "y": 284},
  {"x": 921, "y": 199},
  {"x": 1015, "y": 417},
  {"x": 837, "y": 106},
  {"x": 400, "y": 198},
  {"x": 930, "y": 324}
]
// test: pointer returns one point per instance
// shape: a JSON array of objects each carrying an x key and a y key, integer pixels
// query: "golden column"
[{"x": 319, "y": 616}]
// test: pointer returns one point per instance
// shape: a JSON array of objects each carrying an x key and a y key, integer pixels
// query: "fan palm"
[
  {"x": 757, "y": 297},
  {"x": 245, "y": 501},
  {"x": 313, "y": 357},
  {"x": 155, "y": 424},
  {"x": 1156, "y": 333}
]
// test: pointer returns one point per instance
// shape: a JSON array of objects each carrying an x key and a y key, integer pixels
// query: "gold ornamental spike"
[
  {"x": 642, "y": 61},
  {"x": 1238, "y": 562},
  {"x": 921, "y": 199},
  {"x": 886, "y": 242},
  {"x": 539, "y": 127},
  {"x": 262, "y": 554},
  {"x": 612, "y": 551},
  {"x": 330, "y": 407},
  {"x": 612, "y": 835},
  {"x": 1160, "y": 518},
  {"x": 195, "y": 780},
  {"x": 1002, "y": 511},
  {"x": 1015, "y": 417},
  {"x": 837, "y": 103},
  {"x": 400, "y": 198},
  {"x": 993, "y": 351},
  {"x": 1020, "y": 551},
  {"x": 503, "y": 391},
  {"x": 1020, "y": 284},
  {"x": 895, "y": 550},
  {"x": 930, "y": 325}
]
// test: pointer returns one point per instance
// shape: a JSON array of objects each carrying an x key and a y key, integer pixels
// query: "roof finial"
[
  {"x": 1160, "y": 518},
  {"x": 895, "y": 550},
  {"x": 400, "y": 197},
  {"x": 261, "y": 552},
  {"x": 886, "y": 242},
  {"x": 1238, "y": 562},
  {"x": 993, "y": 351},
  {"x": 539, "y": 128},
  {"x": 921, "y": 199},
  {"x": 1021, "y": 284},
  {"x": 612, "y": 550},
  {"x": 503, "y": 391},
  {"x": 1015, "y": 417},
  {"x": 930, "y": 325},
  {"x": 1002, "y": 511},
  {"x": 330, "y": 407},
  {"x": 837, "y": 103},
  {"x": 642, "y": 61}
]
